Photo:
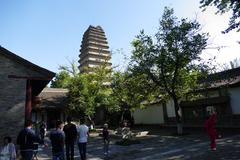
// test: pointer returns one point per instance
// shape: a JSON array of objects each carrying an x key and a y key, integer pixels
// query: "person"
[
  {"x": 83, "y": 133},
  {"x": 42, "y": 129},
  {"x": 8, "y": 152},
  {"x": 105, "y": 134},
  {"x": 211, "y": 130},
  {"x": 26, "y": 139},
  {"x": 126, "y": 132},
  {"x": 70, "y": 131},
  {"x": 57, "y": 138}
]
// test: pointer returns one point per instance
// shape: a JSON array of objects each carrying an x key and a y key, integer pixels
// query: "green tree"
[
  {"x": 66, "y": 72},
  {"x": 172, "y": 60},
  {"x": 61, "y": 80},
  {"x": 71, "y": 68},
  {"x": 224, "y": 6},
  {"x": 87, "y": 92},
  {"x": 130, "y": 91}
]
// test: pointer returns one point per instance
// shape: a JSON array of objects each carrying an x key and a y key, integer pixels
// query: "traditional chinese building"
[
  {"x": 20, "y": 82},
  {"x": 50, "y": 106},
  {"x": 94, "y": 50},
  {"x": 220, "y": 93}
]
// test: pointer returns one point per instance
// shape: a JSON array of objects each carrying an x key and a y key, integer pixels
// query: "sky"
[{"x": 49, "y": 32}]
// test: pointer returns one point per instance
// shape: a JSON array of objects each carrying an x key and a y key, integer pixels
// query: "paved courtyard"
[{"x": 162, "y": 147}]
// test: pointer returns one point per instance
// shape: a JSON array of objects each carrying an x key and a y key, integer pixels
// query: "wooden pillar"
[{"x": 28, "y": 104}]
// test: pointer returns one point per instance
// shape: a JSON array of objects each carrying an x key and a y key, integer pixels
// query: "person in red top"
[{"x": 211, "y": 130}]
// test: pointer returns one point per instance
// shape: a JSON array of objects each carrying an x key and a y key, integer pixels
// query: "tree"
[
  {"x": 235, "y": 63},
  {"x": 87, "y": 92},
  {"x": 224, "y": 6},
  {"x": 72, "y": 68},
  {"x": 66, "y": 72},
  {"x": 130, "y": 91},
  {"x": 61, "y": 80},
  {"x": 172, "y": 60}
]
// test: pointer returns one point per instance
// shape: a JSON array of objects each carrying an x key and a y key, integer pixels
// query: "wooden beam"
[{"x": 28, "y": 104}]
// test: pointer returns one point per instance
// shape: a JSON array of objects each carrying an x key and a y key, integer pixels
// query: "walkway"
[{"x": 156, "y": 147}]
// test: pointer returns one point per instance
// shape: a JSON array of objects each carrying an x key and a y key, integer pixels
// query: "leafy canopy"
[
  {"x": 61, "y": 80},
  {"x": 89, "y": 91},
  {"x": 171, "y": 59},
  {"x": 66, "y": 72},
  {"x": 131, "y": 90}
]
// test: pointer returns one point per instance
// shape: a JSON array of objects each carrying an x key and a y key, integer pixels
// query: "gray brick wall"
[{"x": 12, "y": 96}]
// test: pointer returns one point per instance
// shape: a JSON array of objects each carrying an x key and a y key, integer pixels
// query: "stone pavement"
[{"x": 162, "y": 147}]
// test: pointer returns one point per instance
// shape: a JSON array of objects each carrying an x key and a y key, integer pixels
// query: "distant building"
[
  {"x": 20, "y": 82},
  {"x": 94, "y": 50},
  {"x": 222, "y": 95},
  {"x": 50, "y": 105}
]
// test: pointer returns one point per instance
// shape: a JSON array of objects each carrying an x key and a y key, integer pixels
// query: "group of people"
[
  {"x": 67, "y": 135},
  {"x": 70, "y": 133},
  {"x": 62, "y": 135}
]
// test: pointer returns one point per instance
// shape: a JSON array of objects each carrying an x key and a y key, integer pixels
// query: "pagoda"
[{"x": 94, "y": 50}]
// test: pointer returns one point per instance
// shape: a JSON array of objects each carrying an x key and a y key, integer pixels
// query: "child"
[
  {"x": 105, "y": 134},
  {"x": 8, "y": 152}
]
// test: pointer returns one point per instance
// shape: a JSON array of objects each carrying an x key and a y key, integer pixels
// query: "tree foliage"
[
  {"x": 116, "y": 92},
  {"x": 131, "y": 90},
  {"x": 61, "y": 80},
  {"x": 71, "y": 68},
  {"x": 172, "y": 60},
  {"x": 66, "y": 72},
  {"x": 89, "y": 91},
  {"x": 235, "y": 63},
  {"x": 224, "y": 6}
]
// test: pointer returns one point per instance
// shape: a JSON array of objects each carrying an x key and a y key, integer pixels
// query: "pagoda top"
[{"x": 98, "y": 27}]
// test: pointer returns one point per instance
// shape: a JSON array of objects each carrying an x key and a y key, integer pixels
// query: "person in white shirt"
[{"x": 83, "y": 133}]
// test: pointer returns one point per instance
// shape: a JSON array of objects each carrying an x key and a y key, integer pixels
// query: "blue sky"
[{"x": 47, "y": 32}]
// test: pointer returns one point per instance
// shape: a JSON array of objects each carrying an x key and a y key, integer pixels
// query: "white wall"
[
  {"x": 235, "y": 99},
  {"x": 170, "y": 108},
  {"x": 213, "y": 94},
  {"x": 152, "y": 114}
]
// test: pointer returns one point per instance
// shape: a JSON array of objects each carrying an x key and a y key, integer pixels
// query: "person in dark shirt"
[
  {"x": 26, "y": 139},
  {"x": 57, "y": 140},
  {"x": 105, "y": 134},
  {"x": 70, "y": 131}
]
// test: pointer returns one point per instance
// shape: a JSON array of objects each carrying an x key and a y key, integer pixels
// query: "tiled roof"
[
  {"x": 225, "y": 78},
  {"x": 53, "y": 98},
  {"x": 26, "y": 63}
]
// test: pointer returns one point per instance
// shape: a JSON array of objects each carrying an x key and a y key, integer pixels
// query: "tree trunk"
[
  {"x": 178, "y": 117},
  {"x": 92, "y": 122},
  {"x": 122, "y": 116}
]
